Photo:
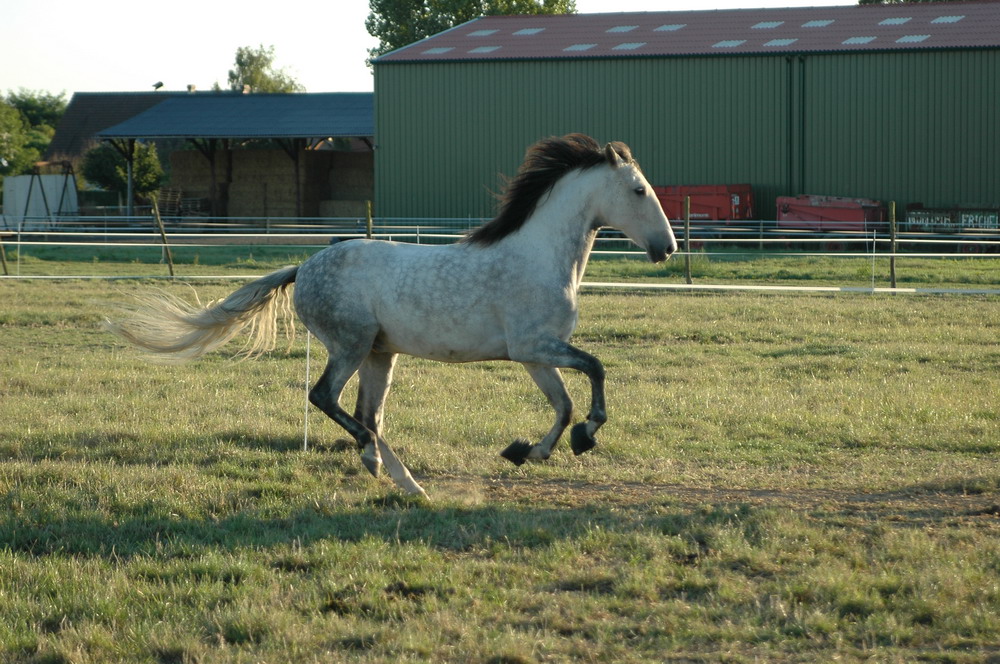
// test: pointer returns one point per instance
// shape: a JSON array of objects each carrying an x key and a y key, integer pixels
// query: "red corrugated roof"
[{"x": 717, "y": 32}]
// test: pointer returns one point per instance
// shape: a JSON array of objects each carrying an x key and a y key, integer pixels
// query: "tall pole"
[
  {"x": 892, "y": 243},
  {"x": 687, "y": 239}
]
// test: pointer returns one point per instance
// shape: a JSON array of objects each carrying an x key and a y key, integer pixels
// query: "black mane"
[{"x": 544, "y": 163}]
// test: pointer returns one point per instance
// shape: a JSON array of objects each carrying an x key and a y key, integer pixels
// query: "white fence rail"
[{"x": 707, "y": 239}]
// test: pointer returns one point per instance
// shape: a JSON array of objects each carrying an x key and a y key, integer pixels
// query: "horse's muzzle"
[{"x": 659, "y": 253}]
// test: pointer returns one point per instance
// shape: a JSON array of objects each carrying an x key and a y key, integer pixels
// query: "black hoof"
[
  {"x": 517, "y": 452},
  {"x": 580, "y": 440}
]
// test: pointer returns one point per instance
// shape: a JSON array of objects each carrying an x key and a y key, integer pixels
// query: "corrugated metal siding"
[
  {"x": 915, "y": 127},
  {"x": 445, "y": 131},
  {"x": 909, "y": 127}
]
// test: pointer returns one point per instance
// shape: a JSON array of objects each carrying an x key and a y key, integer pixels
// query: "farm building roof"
[
  {"x": 849, "y": 28},
  {"x": 224, "y": 115},
  {"x": 89, "y": 112}
]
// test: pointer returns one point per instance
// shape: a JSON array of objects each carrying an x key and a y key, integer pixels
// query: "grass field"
[{"x": 783, "y": 478}]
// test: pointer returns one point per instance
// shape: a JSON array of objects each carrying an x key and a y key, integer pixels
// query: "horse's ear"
[{"x": 612, "y": 156}]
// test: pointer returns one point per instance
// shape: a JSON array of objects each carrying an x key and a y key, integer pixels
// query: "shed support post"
[
  {"x": 207, "y": 150},
  {"x": 126, "y": 149},
  {"x": 292, "y": 148}
]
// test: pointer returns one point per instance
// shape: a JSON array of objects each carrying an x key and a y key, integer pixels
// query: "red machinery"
[
  {"x": 831, "y": 213},
  {"x": 729, "y": 202}
]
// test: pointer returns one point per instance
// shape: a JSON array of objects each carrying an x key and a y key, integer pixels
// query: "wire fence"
[{"x": 133, "y": 239}]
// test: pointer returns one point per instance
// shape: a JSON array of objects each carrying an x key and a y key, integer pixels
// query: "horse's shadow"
[
  {"x": 252, "y": 522},
  {"x": 148, "y": 531},
  {"x": 244, "y": 520},
  {"x": 145, "y": 531},
  {"x": 258, "y": 443}
]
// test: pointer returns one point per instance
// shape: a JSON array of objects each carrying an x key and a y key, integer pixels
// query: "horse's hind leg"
[
  {"x": 325, "y": 395},
  {"x": 375, "y": 376},
  {"x": 550, "y": 382}
]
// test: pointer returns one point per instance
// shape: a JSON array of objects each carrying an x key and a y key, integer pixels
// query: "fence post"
[
  {"x": 368, "y": 224},
  {"x": 163, "y": 237},
  {"x": 892, "y": 243},
  {"x": 687, "y": 239},
  {"x": 3, "y": 256}
]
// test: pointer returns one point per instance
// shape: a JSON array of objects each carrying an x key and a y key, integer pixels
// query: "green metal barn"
[{"x": 890, "y": 102}]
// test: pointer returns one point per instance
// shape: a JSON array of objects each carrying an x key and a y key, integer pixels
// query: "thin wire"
[
  {"x": 874, "y": 240},
  {"x": 305, "y": 432}
]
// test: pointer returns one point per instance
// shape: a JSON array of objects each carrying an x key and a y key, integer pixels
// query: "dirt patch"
[{"x": 911, "y": 506}]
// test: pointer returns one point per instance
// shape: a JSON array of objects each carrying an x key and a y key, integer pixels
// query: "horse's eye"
[{"x": 641, "y": 191}]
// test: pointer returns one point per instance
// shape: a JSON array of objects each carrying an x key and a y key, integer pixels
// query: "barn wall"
[
  {"x": 445, "y": 131},
  {"x": 911, "y": 127},
  {"x": 905, "y": 126}
]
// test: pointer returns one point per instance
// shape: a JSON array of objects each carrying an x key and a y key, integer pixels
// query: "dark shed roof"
[
  {"x": 849, "y": 28},
  {"x": 296, "y": 115},
  {"x": 89, "y": 112}
]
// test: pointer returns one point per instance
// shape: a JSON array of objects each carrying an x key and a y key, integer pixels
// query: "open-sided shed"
[
  {"x": 219, "y": 123},
  {"x": 892, "y": 102}
]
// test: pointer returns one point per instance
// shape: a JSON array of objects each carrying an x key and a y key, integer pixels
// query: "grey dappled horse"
[{"x": 507, "y": 291}]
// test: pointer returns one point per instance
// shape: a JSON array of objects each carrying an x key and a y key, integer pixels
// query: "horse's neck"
[{"x": 560, "y": 233}]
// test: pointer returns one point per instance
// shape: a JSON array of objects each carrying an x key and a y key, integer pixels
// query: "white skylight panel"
[
  {"x": 622, "y": 28},
  {"x": 858, "y": 40},
  {"x": 482, "y": 33},
  {"x": 438, "y": 50},
  {"x": 912, "y": 39},
  {"x": 485, "y": 49},
  {"x": 729, "y": 43},
  {"x": 895, "y": 21},
  {"x": 528, "y": 31},
  {"x": 629, "y": 46},
  {"x": 948, "y": 19},
  {"x": 781, "y": 42},
  {"x": 672, "y": 27},
  {"x": 766, "y": 25},
  {"x": 580, "y": 47},
  {"x": 819, "y": 23}
]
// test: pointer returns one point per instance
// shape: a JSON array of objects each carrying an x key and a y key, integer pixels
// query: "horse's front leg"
[
  {"x": 374, "y": 379},
  {"x": 557, "y": 353},
  {"x": 550, "y": 382},
  {"x": 582, "y": 435}
]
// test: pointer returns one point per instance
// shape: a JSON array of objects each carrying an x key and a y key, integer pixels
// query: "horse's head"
[{"x": 629, "y": 205}]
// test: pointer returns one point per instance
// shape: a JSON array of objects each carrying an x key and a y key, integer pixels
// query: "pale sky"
[{"x": 122, "y": 45}]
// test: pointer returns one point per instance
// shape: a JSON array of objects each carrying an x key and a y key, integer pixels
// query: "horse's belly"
[{"x": 443, "y": 345}]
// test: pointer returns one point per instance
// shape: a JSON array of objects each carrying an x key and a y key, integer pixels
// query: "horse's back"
[{"x": 434, "y": 301}]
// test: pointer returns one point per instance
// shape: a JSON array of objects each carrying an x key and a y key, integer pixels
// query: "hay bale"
[{"x": 334, "y": 208}]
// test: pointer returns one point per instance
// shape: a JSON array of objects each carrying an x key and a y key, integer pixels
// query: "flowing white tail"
[{"x": 174, "y": 331}]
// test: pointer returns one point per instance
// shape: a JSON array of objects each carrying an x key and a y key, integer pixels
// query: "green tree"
[
  {"x": 396, "y": 23},
  {"x": 13, "y": 136},
  {"x": 27, "y": 124},
  {"x": 39, "y": 108},
  {"x": 255, "y": 71},
  {"x": 105, "y": 166}
]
